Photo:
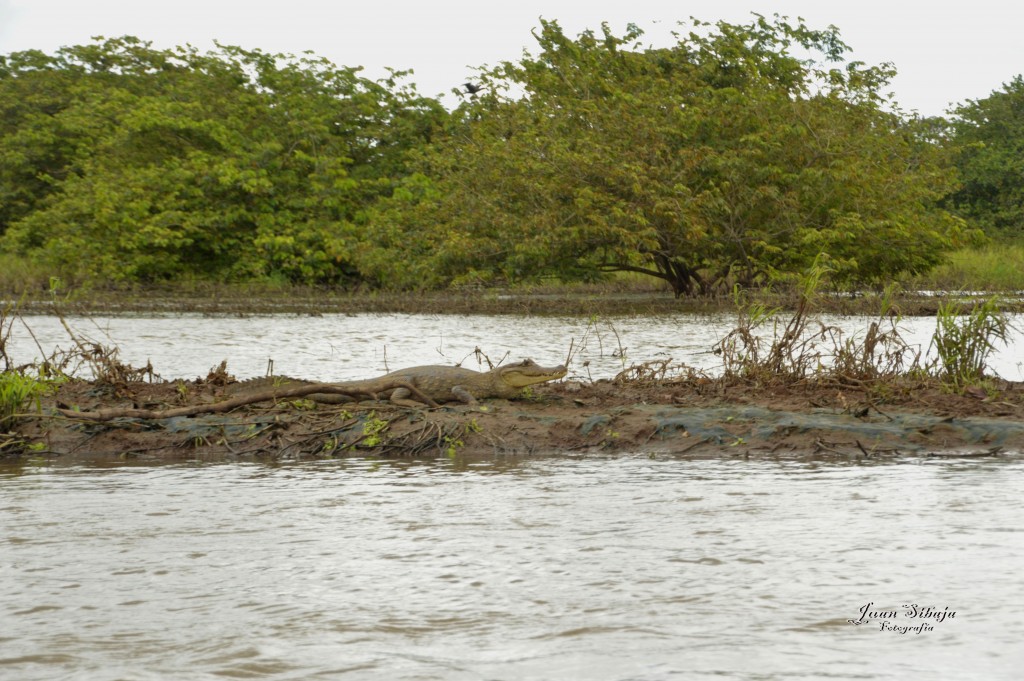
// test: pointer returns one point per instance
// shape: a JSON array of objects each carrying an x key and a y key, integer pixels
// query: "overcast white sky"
[{"x": 945, "y": 53}]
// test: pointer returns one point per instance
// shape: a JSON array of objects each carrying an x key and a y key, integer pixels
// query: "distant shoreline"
[{"x": 541, "y": 300}]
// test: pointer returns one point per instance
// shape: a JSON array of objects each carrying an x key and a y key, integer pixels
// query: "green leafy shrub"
[{"x": 17, "y": 391}]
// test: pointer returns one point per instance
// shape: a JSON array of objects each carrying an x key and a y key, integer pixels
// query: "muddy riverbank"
[{"x": 686, "y": 418}]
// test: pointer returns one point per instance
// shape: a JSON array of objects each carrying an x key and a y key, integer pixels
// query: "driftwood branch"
[{"x": 241, "y": 401}]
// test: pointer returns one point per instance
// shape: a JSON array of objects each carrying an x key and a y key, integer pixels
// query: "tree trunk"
[{"x": 684, "y": 280}]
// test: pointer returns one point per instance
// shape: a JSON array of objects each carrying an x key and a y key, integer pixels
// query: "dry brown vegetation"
[{"x": 792, "y": 386}]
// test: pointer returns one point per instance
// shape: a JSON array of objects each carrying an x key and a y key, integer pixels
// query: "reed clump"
[
  {"x": 769, "y": 348},
  {"x": 964, "y": 340}
]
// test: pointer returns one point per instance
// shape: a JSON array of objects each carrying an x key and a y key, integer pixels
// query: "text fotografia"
[{"x": 922, "y": 618}]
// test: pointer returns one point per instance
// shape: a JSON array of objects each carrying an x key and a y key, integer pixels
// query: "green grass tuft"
[
  {"x": 17, "y": 391},
  {"x": 996, "y": 267}
]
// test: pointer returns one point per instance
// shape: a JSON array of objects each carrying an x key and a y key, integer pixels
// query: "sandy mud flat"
[{"x": 693, "y": 418}]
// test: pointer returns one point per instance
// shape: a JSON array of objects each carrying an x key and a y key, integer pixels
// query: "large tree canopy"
[
  {"x": 120, "y": 162},
  {"x": 989, "y": 142},
  {"x": 736, "y": 155}
]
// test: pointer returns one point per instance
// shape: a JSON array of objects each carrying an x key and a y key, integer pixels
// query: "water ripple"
[{"x": 604, "y": 568}]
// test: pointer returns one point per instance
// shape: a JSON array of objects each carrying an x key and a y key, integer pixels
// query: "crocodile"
[
  {"x": 421, "y": 385},
  {"x": 428, "y": 385}
]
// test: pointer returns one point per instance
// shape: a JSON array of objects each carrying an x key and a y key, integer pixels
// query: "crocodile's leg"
[
  {"x": 406, "y": 393},
  {"x": 463, "y": 395},
  {"x": 400, "y": 396}
]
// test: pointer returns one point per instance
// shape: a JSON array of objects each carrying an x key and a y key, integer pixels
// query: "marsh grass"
[
  {"x": 996, "y": 267},
  {"x": 796, "y": 348},
  {"x": 964, "y": 340},
  {"x": 18, "y": 275},
  {"x": 802, "y": 348}
]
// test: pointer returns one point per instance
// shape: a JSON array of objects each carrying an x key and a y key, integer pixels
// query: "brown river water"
[
  {"x": 562, "y": 567},
  {"x": 547, "y": 568}
]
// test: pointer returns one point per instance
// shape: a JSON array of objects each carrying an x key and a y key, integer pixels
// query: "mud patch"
[{"x": 691, "y": 419}]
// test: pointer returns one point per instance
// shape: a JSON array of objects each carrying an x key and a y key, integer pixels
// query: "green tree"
[
  {"x": 725, "y": 158},
  {"x": 35, "y": 150},
  {"x": 988, "y": 137},
  {"x": 235, "y": 164}
]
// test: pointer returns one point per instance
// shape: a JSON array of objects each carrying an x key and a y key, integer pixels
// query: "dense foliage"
[
  {"x": 724, "y": 159},
  {"x": 120, "y": 162},
  {"x": 741, "y": 154},
  {"x": 989, "y": 139}
]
